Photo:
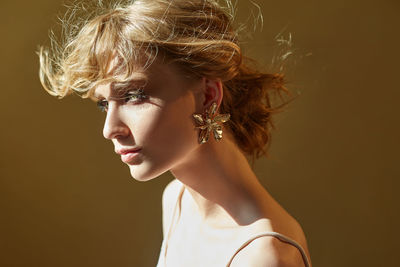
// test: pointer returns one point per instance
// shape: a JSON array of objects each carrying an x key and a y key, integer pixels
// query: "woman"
[{"x": 179, "y": 97}]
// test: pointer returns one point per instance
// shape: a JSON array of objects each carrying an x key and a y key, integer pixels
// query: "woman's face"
[{"x": 153, "y": 130}]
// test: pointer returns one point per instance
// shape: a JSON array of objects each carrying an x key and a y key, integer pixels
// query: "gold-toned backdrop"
[{"x": 67, "y": 200}]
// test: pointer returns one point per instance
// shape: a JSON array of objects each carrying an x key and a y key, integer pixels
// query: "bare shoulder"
[
  {"x": 169, "y": 196},
  {"x": 268, "y": 251}
]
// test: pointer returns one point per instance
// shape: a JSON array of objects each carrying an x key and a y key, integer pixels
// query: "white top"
[{"x": 283, "y": 238}]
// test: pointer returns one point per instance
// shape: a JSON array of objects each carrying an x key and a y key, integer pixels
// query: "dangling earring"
[{"x": 209, "y": 121}]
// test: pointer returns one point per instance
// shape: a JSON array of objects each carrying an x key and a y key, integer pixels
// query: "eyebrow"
[{"x": 138, "y": 81}]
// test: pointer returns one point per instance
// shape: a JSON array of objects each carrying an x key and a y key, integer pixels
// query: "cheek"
[
  {"x": 169, "y": 131},
  {"x": 174, "y": 129},
  {"x": 167, "y": 135}
]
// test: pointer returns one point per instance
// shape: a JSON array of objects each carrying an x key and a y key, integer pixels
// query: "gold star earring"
[{"x": 210, "y": 122}]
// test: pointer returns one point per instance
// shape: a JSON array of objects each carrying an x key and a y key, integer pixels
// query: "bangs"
[{"x": 102, "y": 52}]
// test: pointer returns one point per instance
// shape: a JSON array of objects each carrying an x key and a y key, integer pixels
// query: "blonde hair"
[{"x": 197, "y": 35}]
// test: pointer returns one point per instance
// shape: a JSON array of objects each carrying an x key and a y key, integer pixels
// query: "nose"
[{"x": 114, "y": 127}]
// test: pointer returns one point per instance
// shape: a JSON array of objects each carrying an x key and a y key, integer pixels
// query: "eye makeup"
[
  {"x": 137, "y": 95},
  {"x": 129, "y": 96}
]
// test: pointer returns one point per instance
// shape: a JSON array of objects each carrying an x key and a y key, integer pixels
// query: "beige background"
[{"x": 67, "y": 200}]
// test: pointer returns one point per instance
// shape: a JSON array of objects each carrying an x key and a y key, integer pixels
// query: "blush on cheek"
[
  {"x": 145, "y": 124},
  {"x": 167, "y": 134}
]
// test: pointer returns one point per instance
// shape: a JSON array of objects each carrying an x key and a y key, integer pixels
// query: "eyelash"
[{"x": 135, "y": 97}]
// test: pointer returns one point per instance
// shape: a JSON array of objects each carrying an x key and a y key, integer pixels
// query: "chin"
[{"x": 141, "y": 175}]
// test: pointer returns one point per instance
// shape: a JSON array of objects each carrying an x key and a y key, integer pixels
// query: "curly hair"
[{"x": 197, "y": 35}]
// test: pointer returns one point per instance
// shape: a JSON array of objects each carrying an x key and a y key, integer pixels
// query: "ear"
[{"x": 212, "y": 92}]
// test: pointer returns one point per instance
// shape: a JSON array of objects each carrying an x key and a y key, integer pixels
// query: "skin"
[
  {"x": 160, "y": 125},
  {"x": 223, "y": 199}
]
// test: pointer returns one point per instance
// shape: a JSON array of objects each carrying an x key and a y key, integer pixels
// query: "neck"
[{"x": 221, "y": 183}]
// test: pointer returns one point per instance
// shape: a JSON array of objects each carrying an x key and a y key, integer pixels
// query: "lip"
[
  {"x": 128, "y": 155},
  {"x": 124, "y": 151}
]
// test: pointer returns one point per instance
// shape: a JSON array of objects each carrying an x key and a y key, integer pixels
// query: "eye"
[
  {"x": 135, "y": 96},
  {"x": 102, "y": 105}
]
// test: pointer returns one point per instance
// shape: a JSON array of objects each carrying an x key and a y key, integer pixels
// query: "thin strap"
[
  {"x": 177, "y": 207},
  {"x": 280, "y": 237}
]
